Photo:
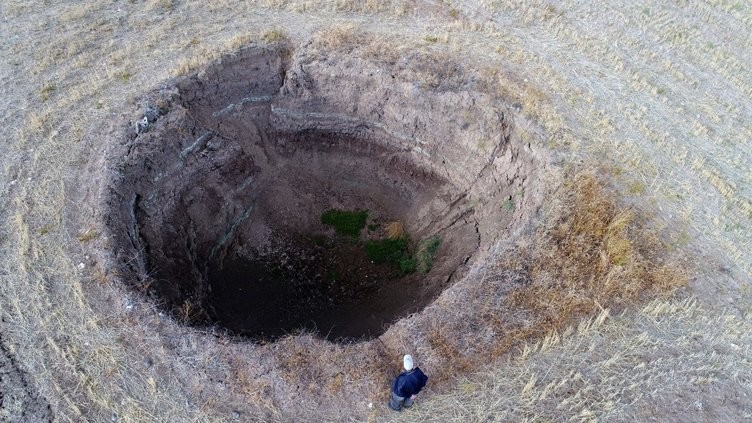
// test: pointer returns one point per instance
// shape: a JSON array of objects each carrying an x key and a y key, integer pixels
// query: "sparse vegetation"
[
  {"x": 596, "y": 256},
  {"x": 580, "y": 371},
  {"x": 45, "y": 229},
  {"x": 124, "y": 75},
  {"x": 345, "y": 222},
  {"x": 388, "y": 250},
  {"x": 47, "y": 90},
  {"x": 395, "y": 250},
  {"x": 636, "y": 188},
  {"x": 508, "y": 205},
  {"x": 593, "y": 256},
  {"x": 274, "y": 35},
  {"x": 407, "y": 265},
  {"x": 426, "y": 252}
]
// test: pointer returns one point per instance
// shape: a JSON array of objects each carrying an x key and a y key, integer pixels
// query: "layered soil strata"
[{"x": 219, "y": 185}]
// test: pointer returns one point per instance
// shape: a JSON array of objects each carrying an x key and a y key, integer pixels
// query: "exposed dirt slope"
[{"x": 236, "y": 164}]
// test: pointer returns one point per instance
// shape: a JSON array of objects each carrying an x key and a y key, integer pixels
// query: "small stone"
[
  {"x": 142, "y": 125},
  {"x": 151, "y": 114},
  {"x": 81, "y": 266}
]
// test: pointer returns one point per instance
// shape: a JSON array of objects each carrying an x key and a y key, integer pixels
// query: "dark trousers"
[{"x": 397, "y": 402}]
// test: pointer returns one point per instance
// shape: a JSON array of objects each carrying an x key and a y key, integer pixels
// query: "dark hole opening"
[
  {"x": 223, "y": 195},
  {"x": 238, "y": 236}
]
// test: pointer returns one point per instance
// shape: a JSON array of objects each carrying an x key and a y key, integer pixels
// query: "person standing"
[{"x": 407, "y": 385}]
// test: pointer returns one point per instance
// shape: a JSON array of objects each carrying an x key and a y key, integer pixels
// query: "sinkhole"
[{"x": 276, "y": 191}]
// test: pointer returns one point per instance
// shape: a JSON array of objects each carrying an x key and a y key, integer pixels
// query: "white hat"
[{"x": 408, "y": 362}]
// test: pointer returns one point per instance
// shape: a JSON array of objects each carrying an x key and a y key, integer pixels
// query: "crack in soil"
[{"x": 19, "y": 402}]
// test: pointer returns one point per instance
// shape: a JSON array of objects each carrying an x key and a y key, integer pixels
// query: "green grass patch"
[
  {"x": 386, "y": 250},
  {"x": 407, "y": 265},
  {"x": 345, "y": 222},
  {"x": 508, "y": 205},
  {"x": 392, "y": 251},
  {"x": 426, "y": 252}
]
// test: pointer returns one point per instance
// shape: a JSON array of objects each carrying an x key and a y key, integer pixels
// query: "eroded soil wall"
[{"x": 224, "y": 178}]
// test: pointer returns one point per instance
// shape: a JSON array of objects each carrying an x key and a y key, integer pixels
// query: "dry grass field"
[{"x": 638, "y": 306}]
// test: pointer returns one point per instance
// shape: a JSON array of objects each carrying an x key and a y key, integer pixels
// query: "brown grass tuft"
[
  {"x": 596, "y": 256},
  {"x": 395, "y": 230},
  {"x": 274, "y": 35},
  {"x": 87, "y": 235},
  {"x": 339, "y": 37}
]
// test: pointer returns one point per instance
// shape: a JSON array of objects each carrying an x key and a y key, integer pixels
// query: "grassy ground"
[
  {"x": 659, "y": 91},
  {"x": 670, "y": 360}
]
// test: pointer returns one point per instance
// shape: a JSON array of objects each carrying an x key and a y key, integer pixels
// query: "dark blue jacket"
[{"x": 409, "y": 383}]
